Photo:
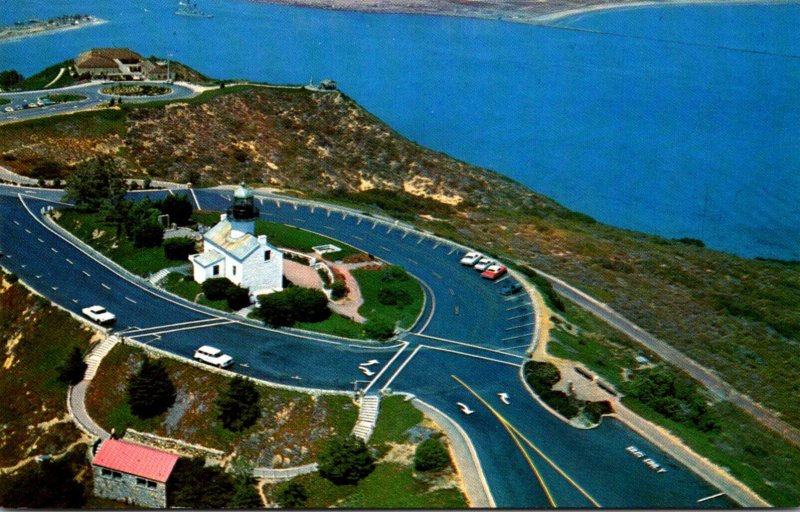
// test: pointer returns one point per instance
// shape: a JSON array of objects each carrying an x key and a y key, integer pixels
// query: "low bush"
[
  {"x": 284, "y": 309},
  {"x": 379, "y": 328},
  {"x": 431, "y": 455},
  {"x": 217, "y": 288},
  {"x": 290, "y": 495},
  {"x": 345, "y": 461},
  {"x": 237, "y": 297},
  {"x": 394, "y": 297},
  {"x": 339, "y": 290}
]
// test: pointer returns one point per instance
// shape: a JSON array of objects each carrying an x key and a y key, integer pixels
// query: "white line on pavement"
[
  {"x": 529, "y": 313},
  {"x": 86, "y": 273},
  {"x": 195, "y": 198},
  {"x": 519, "y": 326},
  {"x": 400, "y": 369},
  {"x": 518, "y": 336},
  {"x": 104, "y": 285},
  {"x": 387, "y": 365},
  {"x": 53, "y": 249},
  {"x": 69, "y": 261},
  {"x": 130, "y": 300},
  {"x": 465, "y": 354},
  {"x": 189, "y": 328}
]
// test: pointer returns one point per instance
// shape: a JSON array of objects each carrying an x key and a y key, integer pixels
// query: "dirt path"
[{"x": 349, "y": 305}]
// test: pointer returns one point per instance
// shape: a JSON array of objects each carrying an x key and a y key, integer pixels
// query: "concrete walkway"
[{"x": 76, "y": 396}]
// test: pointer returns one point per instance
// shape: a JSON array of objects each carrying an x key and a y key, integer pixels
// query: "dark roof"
[{"x": 104, "y": 57}]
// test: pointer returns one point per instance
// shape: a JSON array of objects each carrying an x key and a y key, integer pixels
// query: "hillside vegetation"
[{"x": 740, "y": 317}]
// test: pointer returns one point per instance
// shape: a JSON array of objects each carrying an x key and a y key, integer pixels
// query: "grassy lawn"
[
  {"x": 371, "y": 283},
  {"x": 396, "y": 417},
  {"x": 101, "y": 235},
  {"x": 301, "y": 240},
  {"x": 292, "y": 424},
  {"x": 336, "y": 325},
  {"x": 4, "y": 101},
  {"x": 37, "y": 338},
  {"x": 44, "y": 77},
  {"x": 64, "y": 98},
  {"x": 765, "y": 463}
]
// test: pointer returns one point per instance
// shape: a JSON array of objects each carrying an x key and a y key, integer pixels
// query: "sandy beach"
[
  {"x": 15, "y": 34},
  {"x": 533, "y": 12}
]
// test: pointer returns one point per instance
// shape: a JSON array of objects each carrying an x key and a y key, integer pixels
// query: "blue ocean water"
[{"x": 678, "y": 121}]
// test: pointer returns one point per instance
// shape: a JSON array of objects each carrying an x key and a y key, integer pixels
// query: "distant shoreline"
[
  {"x": 8, "y": 34},
  {"x": 534, "y": 13}
]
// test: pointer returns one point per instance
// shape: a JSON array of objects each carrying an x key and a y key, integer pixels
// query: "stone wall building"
[{"x": 132, "y": 473}]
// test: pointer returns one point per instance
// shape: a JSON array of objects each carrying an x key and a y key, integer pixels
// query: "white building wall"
[{"x": 262, "y": 276}]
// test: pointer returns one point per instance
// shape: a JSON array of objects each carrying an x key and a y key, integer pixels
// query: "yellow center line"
[
  {"x": 533, "y": 466},
  {"x": 511, "y": 427}
]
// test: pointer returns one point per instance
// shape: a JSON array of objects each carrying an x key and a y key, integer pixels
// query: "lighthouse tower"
[{"x": 242, "y": 214}]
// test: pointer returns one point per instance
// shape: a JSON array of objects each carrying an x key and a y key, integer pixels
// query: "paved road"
[
  {"x": 93, "y": 98},
  {"x": 464, "y": 332}
]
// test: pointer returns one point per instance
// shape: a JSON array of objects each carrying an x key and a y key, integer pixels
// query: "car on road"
[
  {"x": 494, "y": 272},
  {"x": 99, "y": 314},
  {"x": 484, "y": 263},
  {"x": 213, "y": 356},
  {"x": 510, "y": 288},
  {"x": 471, "y": 258}
]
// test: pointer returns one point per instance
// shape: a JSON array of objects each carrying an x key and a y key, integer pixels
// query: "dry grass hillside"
[{"x": 740, "y": 317}]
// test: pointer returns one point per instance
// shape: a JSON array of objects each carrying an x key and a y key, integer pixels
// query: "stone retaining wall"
[{"x": 175, "y": 445}]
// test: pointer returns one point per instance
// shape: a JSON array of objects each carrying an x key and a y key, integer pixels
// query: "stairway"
[
  {"x": 96, "y": 356},
  {"x": 158, "y": 276},
  {"x": 367, "y": 417}
]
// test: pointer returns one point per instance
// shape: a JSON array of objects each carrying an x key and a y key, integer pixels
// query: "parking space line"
[
  {"x": 40, "y": 240},
  {"x": 385, "y": 249},
  {"x": 436, "y": 275},
  {"x": 75, "y": 301},
  {"x": 529, "y": 313},
  {"x": 404, "y": 236},
  {"x": 38, "y": 276},
  {"x": 28, "y": 231},
  {"x": 359, "y": 221},
  {"x": 501, "y": 279},
  {"x": 390, "y": 229},
  {"x": 55, "y": 288},
  {"x": 512, "y": 308},
  {"x": 451, "y": 251},
  {"x": 17, "y": 223},
  {"x": 130, "y": 300},
  {"x": 69, "y": 261},
  {"x": 53, "y": 249},
  {"x": 86, "y": 273},
  {"x": 415, "y": 262},
  {"x": 519, "y": 326},
  {"x": 328, "y": 227},
  {"x": 374, "y": 224},
  {"x": 420, "y": 240},
  {"x": 526, "y": 335},
  {"x": 436, "y": 245},
  {"x": 357, "y": 237},
  {"x": 104, "y": 285}
]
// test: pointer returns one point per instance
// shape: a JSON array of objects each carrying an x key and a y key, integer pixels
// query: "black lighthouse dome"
[{"x": 242, "y": 208}]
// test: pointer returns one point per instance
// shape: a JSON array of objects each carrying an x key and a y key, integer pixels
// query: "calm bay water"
[{"x": 679, "y": 121}]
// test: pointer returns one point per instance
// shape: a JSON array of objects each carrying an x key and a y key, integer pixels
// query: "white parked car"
[
  {"x": 213, "y": 356},
  {"x": 99, "y": 314},
  {"x": 484, "y": 263},
  {"x": 471, "y": 258}
]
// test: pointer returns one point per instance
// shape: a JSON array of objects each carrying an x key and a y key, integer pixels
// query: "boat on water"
[{"x": 187, "y": 8}]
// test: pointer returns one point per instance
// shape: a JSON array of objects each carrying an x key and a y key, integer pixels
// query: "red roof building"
[{"x": 135, "y": 460}]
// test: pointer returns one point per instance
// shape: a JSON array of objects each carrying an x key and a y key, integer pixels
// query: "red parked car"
[{"x": 493, "y": 272}]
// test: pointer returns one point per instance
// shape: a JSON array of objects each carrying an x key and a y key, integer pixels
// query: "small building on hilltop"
[
  {"x": 117, "y": 64},
  {"x": 132, "y": 473},
  {"x": 231, "y": 250}
]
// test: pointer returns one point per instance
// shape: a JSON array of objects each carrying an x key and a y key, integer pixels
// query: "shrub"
[
  {"x": 194, "y": 485},
  {"x": 12, "y": 278},
  {"x": 379, "y": 328},
  {"x": 290, "y": 495},
  {"x": 431, "y": 455},
  {"x": 148, "y": 233},
  {"x": 179, "y": 208},
  {"x": 74, "y": 368},
  {"x": 294, "y": 305},
  {"x": 178, "y": 248},
  {"x": 394, "y": 297},
  {"x": 237, "y": 297},
  {"x": 51, "y": 484},
  {"x": 393, "y": 273},
  {"x": 339, "y": 290},
  {"x": 238, "y": 405},
  {"x": 345, "y": 460},
  {"x": 217, "y": 288},
  {"x": 150, "y": 390}
]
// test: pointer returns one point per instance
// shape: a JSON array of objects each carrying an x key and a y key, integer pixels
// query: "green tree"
[
  {"x": 294, "y": 305},
  {"x": 345, "y": 460},
  {"x": 394, "y": 297},
  {"x": 277, "y": 309},
  {"x": 379, "y": 328},
  {"x": 338, "y": 290},
  {"x": 96, "y": 181},
  {"x": 74, "y": 368},
  {"x": 179, "y": 248},
  {"x": 290, "y": 495},
  {"x": 245, "y": 494},
  {"x": 150, "y": 390},
  {"x": 394, "y": 273},
  {"x": 238, "y": 404},
  {"x": 237, "y": 297},
  {"x": 431, "y": 455},
  {"x": 50, "y": 484},
  {"x": 193, "y": 485},
  {"x": 179, "y": 208},
  {"x": 9, "y": 78}
]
